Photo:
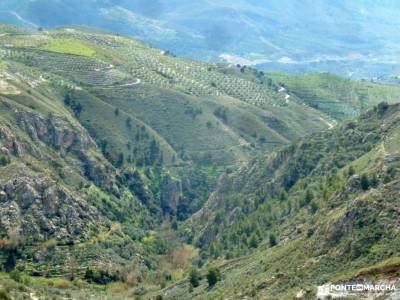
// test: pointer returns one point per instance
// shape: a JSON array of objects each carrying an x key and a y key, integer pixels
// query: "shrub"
[
  {"x": 15, "y": 275},
  {"x": 4, "y": 160},
  {"x": 213, "y": 276},
  {"x": 120, "y": 161},
  {"x": 382, "y": 108},
  {"x": 99, "y": 277},
  {"x": 364, "y": 182},
  {"x": 222, "y": 113},
  {"x": 253, "y": 241},
  {"x": 116, "y": 287},
  {"x": 174, "y": 224},
  {"x": 351, "y": 171},
  {"x": 313, "y": 207},
  {"x": 140, "y": 291},
  {"x": 129, "y": 122},
  {"x": 67, "y": 100},
  {"x": 77, "y": 109},
  {"x": 194, "y": 278},
  {"x": 309, "y": 196},
  {"x": 49, "y": 244},
  {"x": 4, "y": 295},
  {"x": 272, "y": 240},
  {"x": 62, "y": 283},
  {"x": 374, "y": 182}
]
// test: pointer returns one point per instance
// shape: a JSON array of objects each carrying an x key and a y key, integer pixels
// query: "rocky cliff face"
[
  {"x": 39, "y": 154},
  {"x": 40, "y": 209},
  {"x": 171, "y": 193},
  {"x": 58, "y": 190},
  {"x": 66, "y": 138},
  {"x": 56, "y": 132}
]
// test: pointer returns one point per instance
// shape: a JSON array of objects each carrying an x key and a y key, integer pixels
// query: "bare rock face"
[
  {"x": 23, "y": 193},
  {"x": 31, "y": 200},
  {"x": 55, "y": 132},
  {"x": 42, "y": 208},
  {"x": 66, "y": 138},
  {"x": 171, "y": 193},
  {"x": 10, "y": 143}
]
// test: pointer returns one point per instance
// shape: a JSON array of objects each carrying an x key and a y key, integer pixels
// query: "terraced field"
[
  {"x": 339, "y": 98},
  {"x": 194, "y": 111},
  {"x": 347, "y": 232}
]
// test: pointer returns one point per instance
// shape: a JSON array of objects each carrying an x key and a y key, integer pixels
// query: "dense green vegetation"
[
  {"x": 224, "y": 108},
  {"x": 314, "y": 212},
  {"x": 69, "y": 47},
  {"x": 126, "y": 172},
  {"x": 341, "y": 98}
]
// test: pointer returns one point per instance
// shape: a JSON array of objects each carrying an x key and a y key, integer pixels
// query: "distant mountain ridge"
[{"x": 356, "y": 39}]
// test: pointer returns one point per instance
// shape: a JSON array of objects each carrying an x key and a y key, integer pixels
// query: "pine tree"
[
  {"x": 364, "y": 182},
  {"x": 374, "y": 182},
  {"x": 67, "y": 100},
  {"x": 309, "y": 196},
  {"x": 77, "y": 109},
  {"x": 213, "y": 276},
  {"x": 272, "y": 240},
  {"x": 194, "y": 278},
  {"x": 313, "y": 207},
  {"x": 253, "y": 241},
  {"x": 351, "y": 171},
  {"x": 120, "y": 160},
  {"x": 129, "y": 122}
]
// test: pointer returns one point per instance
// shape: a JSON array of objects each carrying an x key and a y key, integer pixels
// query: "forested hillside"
[
  {"x": 321, "y": 210},
  {"x": 126, "y": 171}
]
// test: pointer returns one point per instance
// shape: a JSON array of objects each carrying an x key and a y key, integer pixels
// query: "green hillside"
[
  {"x": 124, "y": 169},
  {"x": 320, "y": 210},
  {"x": 338, "y": 97},
  {"x": 151, "y": 87},
  {"x": 145, "y": 108}
]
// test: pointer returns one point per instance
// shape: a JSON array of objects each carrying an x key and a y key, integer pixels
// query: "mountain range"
[
  {"x": 355, "y": 39},
  {"x": 129, "y": 173}
]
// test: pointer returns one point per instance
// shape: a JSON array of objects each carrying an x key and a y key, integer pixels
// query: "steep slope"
[
  {"x": 108, "y": 74},
  {"x": 338, "y": 97},
  {"x": 62, "y": 202},
  {"x": 315, "y": 212},
  {"x": 146, "y": 108}
]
